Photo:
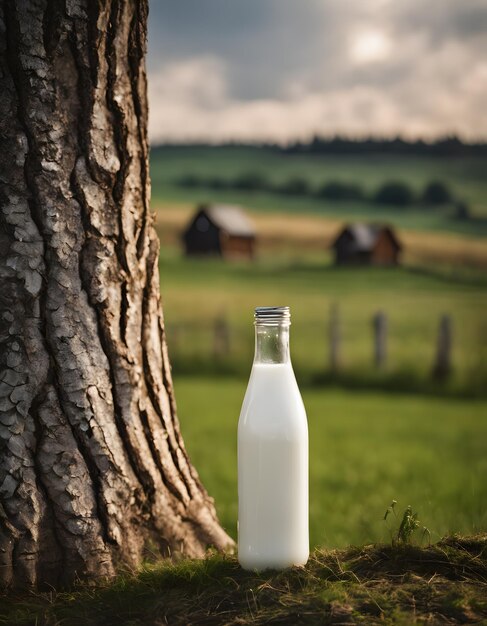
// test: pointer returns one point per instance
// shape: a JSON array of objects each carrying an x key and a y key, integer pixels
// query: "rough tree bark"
[{"x": 93, "y": 469}]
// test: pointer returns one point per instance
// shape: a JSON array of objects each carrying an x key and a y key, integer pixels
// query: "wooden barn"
[
  {"x": 220, "y": 230},
  {"x": 367, "y": 244}
]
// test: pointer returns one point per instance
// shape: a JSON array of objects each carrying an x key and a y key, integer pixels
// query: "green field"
[
  {"x": 196, "y": 291},
  {"x": 367, "y": 447},
  {"x": 465, "y": 177},
  {"x": 374, "y": 436},
  {"x": 365, "y": 450}
]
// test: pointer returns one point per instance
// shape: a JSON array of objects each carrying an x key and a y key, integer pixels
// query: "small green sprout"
[
  {"x": 390, "y": 509},
  {"x": 409, "y": 524}
]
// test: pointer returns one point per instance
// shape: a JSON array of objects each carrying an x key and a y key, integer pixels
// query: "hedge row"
[{"x": 392, "y": 192}]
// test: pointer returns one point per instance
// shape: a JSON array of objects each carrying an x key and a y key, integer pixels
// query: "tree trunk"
[{"x": 93, "y": 469}]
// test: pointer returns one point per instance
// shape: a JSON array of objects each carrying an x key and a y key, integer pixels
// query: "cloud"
[
  {"x": 281, "y": 69},
  {"x": 369, "y": 46}
]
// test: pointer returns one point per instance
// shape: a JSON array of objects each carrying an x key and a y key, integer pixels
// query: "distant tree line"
[
  {"x": 392, "y": 193},
  {"x": 444, "y": 147},
  {"x": 450, "y": 146}
]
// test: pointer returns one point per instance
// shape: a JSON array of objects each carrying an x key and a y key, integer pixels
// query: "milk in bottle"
[{"x": 272, "y": 453}]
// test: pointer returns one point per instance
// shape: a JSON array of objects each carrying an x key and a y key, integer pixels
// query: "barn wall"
[
  {"x": 345, "y": 253},
  {"x": 233, "y": 246},
  {"x": 343, "y": 249},
  {"x": 385, "y": 252},
  {"x": 197, "y": 242}
]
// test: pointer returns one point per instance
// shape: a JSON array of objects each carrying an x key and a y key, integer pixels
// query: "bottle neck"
[{"x": 272, "y": 343}]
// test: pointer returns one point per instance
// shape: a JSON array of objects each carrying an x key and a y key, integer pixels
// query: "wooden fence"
[{"x": 216, "y": 341}]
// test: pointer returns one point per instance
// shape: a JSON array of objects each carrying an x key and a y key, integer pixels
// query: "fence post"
[
  {"x": 334, "y": 337},
  {"x": 174, "y": 338},
  {"x": 379, "y": 322},
  {"x": 221, "y": 338},
  {"x": 442, "y": 366}
]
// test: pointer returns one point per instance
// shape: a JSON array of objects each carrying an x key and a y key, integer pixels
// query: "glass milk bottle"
[{"x": 272, "y": 453}]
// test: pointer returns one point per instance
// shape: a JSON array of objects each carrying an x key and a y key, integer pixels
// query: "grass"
[
  {"x": 464, "y": 176},
  {"x": 195, "y": 292},
  {"x": 444, "y": 583},
  {"x": 366, "y": 449},
  {"x": 442, "y": 273}
]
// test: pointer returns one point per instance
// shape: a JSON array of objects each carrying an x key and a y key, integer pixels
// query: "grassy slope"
[
  {"x": 365, "y": 450},
  {"x": 445, "y": 583},
  {"x": 466, "y": 177}
]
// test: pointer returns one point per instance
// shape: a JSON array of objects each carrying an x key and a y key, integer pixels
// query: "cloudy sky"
[{"x": 285, "y": 69}]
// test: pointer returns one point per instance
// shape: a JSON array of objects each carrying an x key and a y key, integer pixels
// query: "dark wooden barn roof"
[
  {"x": 230, "y": 219},
  {"x": 364, "y": 236}
]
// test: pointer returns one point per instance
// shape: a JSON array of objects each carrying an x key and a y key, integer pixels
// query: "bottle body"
[{"x": 272, "y": 469}]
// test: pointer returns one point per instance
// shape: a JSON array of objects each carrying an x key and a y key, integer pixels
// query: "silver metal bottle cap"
[{"x": 272, "y": 315}]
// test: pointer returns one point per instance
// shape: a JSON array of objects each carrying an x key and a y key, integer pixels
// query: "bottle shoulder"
[{"x": 272, "y": 402}]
